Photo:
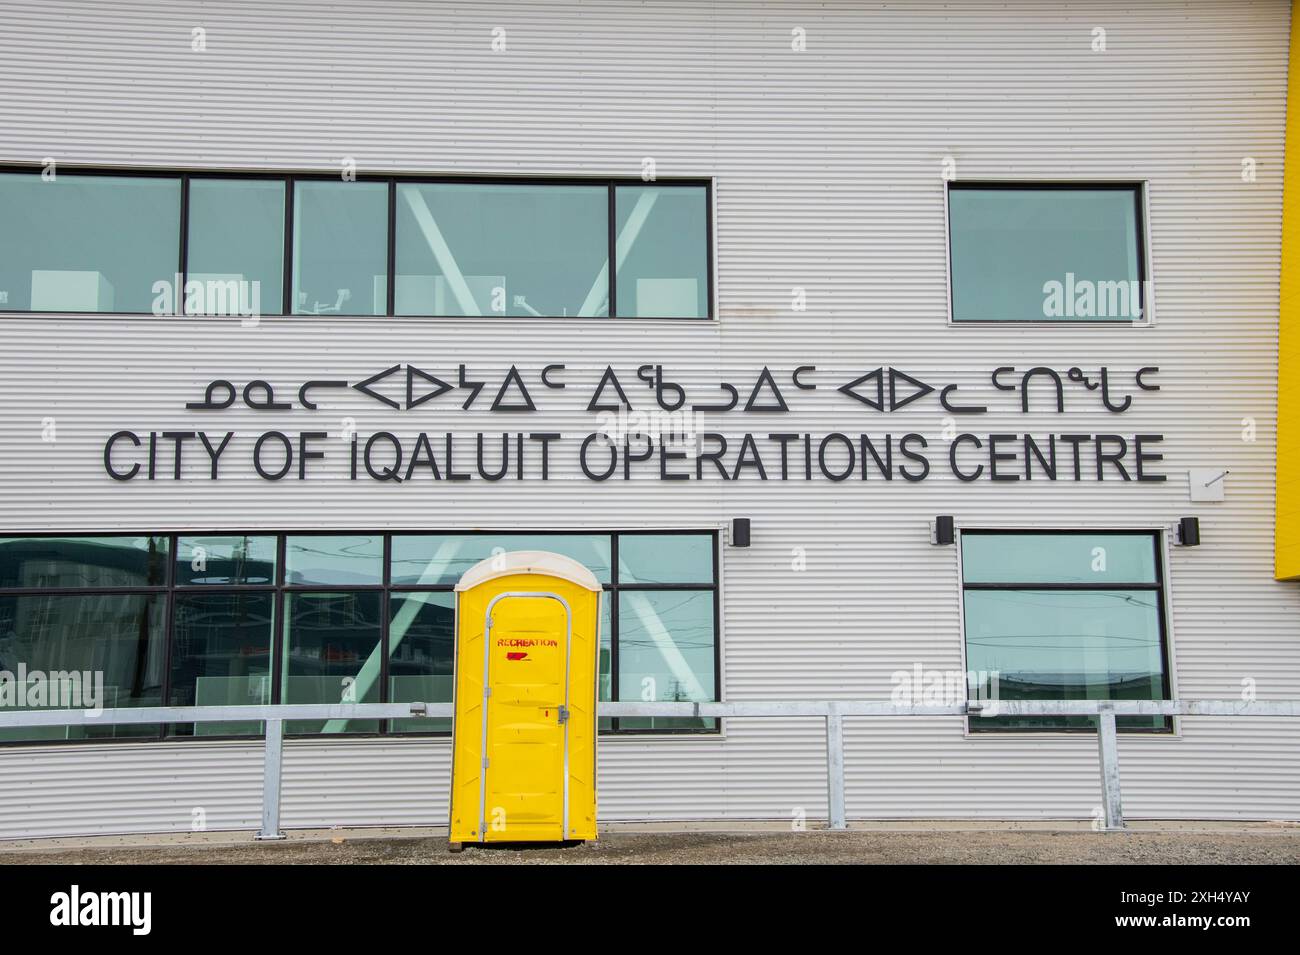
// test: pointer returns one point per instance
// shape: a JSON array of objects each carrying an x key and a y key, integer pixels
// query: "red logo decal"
[{"x": 515, "y": 656}]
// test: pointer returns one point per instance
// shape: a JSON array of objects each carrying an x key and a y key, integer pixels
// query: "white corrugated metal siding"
[{"x": 827, "y": 164}]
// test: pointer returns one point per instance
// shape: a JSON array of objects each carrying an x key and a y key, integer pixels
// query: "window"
[
  {"x": 254, "y": 244},
  {"x": 243, "y": 619},
  {"x": 1065, "y": 615},
  {"x": 659, "y": 621},
  {"x": 235, "y": 246},
  {"x": 340, "y": 248},
  {"x": 662, "y": 251},
  {"x": 87, "y": 243},
  {"x": 1035, "y": 252},
  {"x": 467, "y": 249},
  {"x": 80, "y": 613}
]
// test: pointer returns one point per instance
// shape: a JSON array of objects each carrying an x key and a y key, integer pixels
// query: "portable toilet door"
[{"x": 524, "y": 733}]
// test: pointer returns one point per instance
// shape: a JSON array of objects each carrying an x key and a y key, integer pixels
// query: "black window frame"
[
  {"x": 1159, "y": 586},
  {"x": 289, "y": 178},
  {"x": 279, "y": 589},
  {"x": 1139, "y": 189}
]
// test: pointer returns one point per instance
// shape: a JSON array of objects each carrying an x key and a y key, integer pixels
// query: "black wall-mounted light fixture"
[
  {"x": 944, "y": 530},
  {"x": 1189, "y": 531},
  {"x": 740, "y": 532}
]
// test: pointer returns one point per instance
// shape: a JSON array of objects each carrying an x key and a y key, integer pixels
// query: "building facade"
[{"x": 306, "y": 309}]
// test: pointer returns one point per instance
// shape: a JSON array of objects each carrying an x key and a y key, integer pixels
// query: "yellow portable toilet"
[{"x": 524, "y": 735}]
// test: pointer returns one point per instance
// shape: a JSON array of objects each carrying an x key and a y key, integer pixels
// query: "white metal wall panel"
[{"x": 827, "y": 164}]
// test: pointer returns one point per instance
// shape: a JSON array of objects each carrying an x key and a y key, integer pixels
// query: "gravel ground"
[{"x": 622, "y": 848}]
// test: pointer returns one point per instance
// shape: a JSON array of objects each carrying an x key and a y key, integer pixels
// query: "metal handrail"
[{"x": 832, "y": 711}]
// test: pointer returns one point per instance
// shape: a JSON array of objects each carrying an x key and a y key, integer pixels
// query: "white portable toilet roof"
[{"x": 528, "y": 562}]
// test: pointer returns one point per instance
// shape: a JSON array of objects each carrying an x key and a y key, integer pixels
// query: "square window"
[
  {"x": 1046, "y": 252},
  {"x": 1065, "y": 616},
  {"x": 88, "y": 243}
]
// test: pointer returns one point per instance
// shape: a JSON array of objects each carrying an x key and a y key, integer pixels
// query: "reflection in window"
[
  {"x": 658, "y": 636},
  {"x": 1059, "y": 558},
  {"x": 87, "y": 243},
  {"x": 331, "y": 655},
  {"x": 421, "y": 641},
  {"x": 225, "y": 561},
  {"x": 605, "y": 665},
  {"x": 1036, "y": 616},
  {"x": 1008, "y": 245},
  {"x": 662, "y": 251},
  {"x": 336, "y": 561},
  {"x": 117, "y": 635},
  {"x": 426, "y": 561},
  {"x": 46, "y": 563},
  {"x": 665, "y": 559},
  {"x": 236, "y": 238},
  {"x": 340, "y": 248},
  {"x": 495, "y": 249},
  {"x": 221, "y": 656},
  {"x": 666, "y": 652}
]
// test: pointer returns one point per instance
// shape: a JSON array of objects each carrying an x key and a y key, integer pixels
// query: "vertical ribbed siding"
[{"x": 827, "y": 167}]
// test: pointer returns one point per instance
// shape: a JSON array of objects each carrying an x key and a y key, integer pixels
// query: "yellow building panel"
[{"x": 1287, "y": 521}]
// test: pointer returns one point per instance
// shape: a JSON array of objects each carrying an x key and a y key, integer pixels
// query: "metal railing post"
[
  {"x": 835, "y": 766},
  {"x": 271, "y": 781},
  {"x": 1108, "y": 756}
]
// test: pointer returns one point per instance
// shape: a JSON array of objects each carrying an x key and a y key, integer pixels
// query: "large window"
[
  {"x": 77, "y": 606},
  {"x": 240, "y": 619},
  {"x": 76, "y": 243},
  {"x": 525, "y": 250},
  {"x": 1071, "y": 615},
  {"x": 252, "y": 244},
  {"x": 1034, "y": 252}
]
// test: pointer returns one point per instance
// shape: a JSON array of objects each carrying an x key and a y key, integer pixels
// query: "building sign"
[{"x": 662, "y": 435}]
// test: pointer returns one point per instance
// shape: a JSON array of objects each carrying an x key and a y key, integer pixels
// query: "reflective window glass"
[
  {"x": 332, "y": 655},
  {"x": 421, "y": 641},
  {"x": 221, "y": 656},
  {"x": 496, "y": 249},
  {"x": 665, "y": 559},
  {"x": 661, "y": 245},
  {"x": 224, "y": 561},
  {"x": 47, "y": 563},
  {"x": 1066, "y": 645},
  {"x": 235, "y": 250},
  {"x": 1045, "y": 253},
  {"x": 435, "y": 560},
  {"x": 92, "y": 650},
  {"x": 1064, "y": 616},
  {"x": 87, "y": 243},
  {"x": 340, "y": 248},
  {"x": 334, "y": 561},
  {"x": 666, "y": 652},
  {"x": 1059, "y": 558}
]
